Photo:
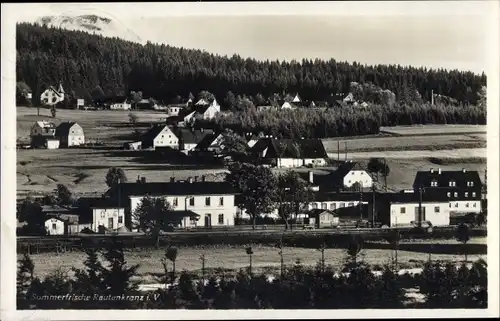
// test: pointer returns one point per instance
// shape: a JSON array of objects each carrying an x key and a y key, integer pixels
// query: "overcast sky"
[{"x": 420, "y": 33}]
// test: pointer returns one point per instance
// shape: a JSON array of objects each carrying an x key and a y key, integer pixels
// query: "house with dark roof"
[
  {"x": 203, "y": 110},
  {"x": 190, "y": 137},
  {"x": 70, "y": 134},
  {"x": 345, "y": 176},
  {"x": 43, "y": 134},
  {"x": 462, "y": 188},
  {"x": 289, "y": 152},
  {"x": 159, "y": 136},
  {"x": 211, "y": 143},
  {"x": 212, "y": 201}
]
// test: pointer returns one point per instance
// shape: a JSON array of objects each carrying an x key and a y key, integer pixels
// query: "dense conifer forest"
[{"x": 82, "y": 61}]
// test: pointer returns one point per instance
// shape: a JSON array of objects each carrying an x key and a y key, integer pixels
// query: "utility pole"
[
  {"x": 373, "y": 205},
  {"x": 432, "y": 97},
  {"x": 385, "y": 174},
  {"x": 338, "y": 150},
  {"x": 345, "y": 150},
  {"x": 360, "y": 201},
  {"x": 420, "y": 190}
]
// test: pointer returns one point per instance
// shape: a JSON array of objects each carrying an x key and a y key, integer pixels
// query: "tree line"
[
  {"x": 106, "y": 274},
  {"x": 84, "y": 62}
]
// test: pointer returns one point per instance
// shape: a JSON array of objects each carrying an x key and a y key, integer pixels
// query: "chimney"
[
  {"x": 311, "y": 177},
  {"x": 172, "y": 179},
  {"x": 196, "y": 178},
  {"x": 190, "y": 179},
  {"x": 203, "y": 178},
  {"x": 432, "y": 170},
  {"x": 143, "y": 179},
  {"x": 439, "y": 171}
]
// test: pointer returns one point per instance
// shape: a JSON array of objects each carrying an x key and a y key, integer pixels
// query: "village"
[{"x": 352, "y": 195}]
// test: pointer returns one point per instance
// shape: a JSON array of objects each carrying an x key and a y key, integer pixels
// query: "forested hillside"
[{"x": 83, "y": 61}]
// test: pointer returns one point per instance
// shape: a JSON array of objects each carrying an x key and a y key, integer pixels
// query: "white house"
[
  {"x": 52, "y": 96},
  {"x": 112, "y": 218},
  {"x": 160, "y": 136},
  {"x": 286, "y": 105},
  {"x": 70, "y": 134},
  {"x": 174, "y": 109},
  {"x": 211, "y": 143},
  {"x": 406, "y": 213},
  {"x": 190, "y": 138},
  {"x": 55, "y": 226},
  {"x": 52, "y": 143},
  {"x": 350, "y": 173},
  {"x": 117, "y": 103},
  {"x": 212, "y": 201}
]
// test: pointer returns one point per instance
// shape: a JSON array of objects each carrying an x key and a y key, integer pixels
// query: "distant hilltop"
[{"x": 90, "y": 23}]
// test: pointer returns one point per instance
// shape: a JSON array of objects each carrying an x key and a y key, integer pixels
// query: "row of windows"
[
  {"x": 333, "y": 206},
  {"x": 466, "y": 194},
  {"x": 466, "y": 205},
  {"x": 208, "y": 201},
  {"x": 434, "y": 183},
  {"x": 220, "y": 219},
  {"x": 437, "y": 209}
]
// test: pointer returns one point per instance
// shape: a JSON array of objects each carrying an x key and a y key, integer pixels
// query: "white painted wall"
[
  {"x": 101, "y": 216},
  {"x": 403, "y": 214},
  {"x": 252, "y": 142},
  {"x": 121, "y": 106},
  {"x": 210, "y": 112},
  {"x": 314, "y": 161},
  {"x": 52, "y": 144},
  {"x": 173, "y": 111},
  {"x": 360, "y": 176},
  {"x": 76, "y": 136},
  {"x": 54, "y": 226},
  {"x": 289, "y": 162},
  {"x": 166, "y": 138},
  {"x": 181, "y": 203},
  {"x": 471, "y": 206},
  {"x": 333, "y": 205}
]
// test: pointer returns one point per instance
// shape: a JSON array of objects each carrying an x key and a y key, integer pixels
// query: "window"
[
  {"x": 221, "y": 201},
  {"x": 449, "y": 194},
  {"x": 466, "y": 194},
  {"x": 434, "y": 183},
  {"x": 324, "y": 206},
  {"x": 456, "y": 204},
  {"x": 192, "y": 221},
  {"x": 191, "y": 201},
  {"x": 349, "y": 182},
  {"x": 470, "y": 184},
  {"x": 207, "y": 201},
  {"x": 351, "y": 204},
  {"x": 402, "y": 210},
  {"x": 455, "y": 194},
  {"x": 120, "y": 219},
  {"x": 450, "y": 205},
  {"x": 453, "y": 183},
  {"x": 437, "y": 209},
  {"x": 221, "y": 218},
  {"x": 333, "y": 206},
  {"x": 473, "y": 194},
  {"x": 473, "y": 204},
  {"x": 466, "y": 204},
  {"x": 352, "y": 173},
  {"x": 315, "y": 205},
  {"x": 175, "y": 202},
  {"x": 54, "y": 226},
  {"x": 342, "y": 205},
  {"x": 103, "y": 214}
]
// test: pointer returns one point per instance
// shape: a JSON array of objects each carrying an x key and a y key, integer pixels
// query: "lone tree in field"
[
  {"x": 249, "y": 252},
  {"x": 63, "y": 195},
  {"x": 151, "y": 216},
  {"x": 171, "y": 255},
  {"x": 257, "y": 185},
  {"x": 463, "y": 236},
  {"x": 354, "y": 246},
  {"x": 115, "y": 176},
  {"x": 53, "y": 111}
]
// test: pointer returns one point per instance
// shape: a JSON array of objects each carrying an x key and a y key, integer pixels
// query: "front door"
[
  {"x": 208, "y": 220},
  {"x": 110, "y": 223},
  {"x": 416, "y": 214}
]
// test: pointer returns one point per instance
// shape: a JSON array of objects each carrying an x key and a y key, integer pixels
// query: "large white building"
[
  {"x": 160, "y": 136},
  {"x": 112, "y": 218},
  {"x": 346, "y": 175},
  {"x": 70, "y": 134},
  {"x": 52, "y": 96},
  {"x": 212, "y": 202},
  {"x": 55, "y": 226}
]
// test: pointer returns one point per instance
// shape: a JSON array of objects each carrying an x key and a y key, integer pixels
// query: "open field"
[
  {"x": 83, "y": 170},
  {"x": 231, "y": 258},
  {"x": 434, "y": 129}
]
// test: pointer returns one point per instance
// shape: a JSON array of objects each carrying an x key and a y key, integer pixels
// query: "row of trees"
[
  {"x": 296, "y": 287},
  {"x": 83, "y": 61},
  {"x": 346, "y": 121}
]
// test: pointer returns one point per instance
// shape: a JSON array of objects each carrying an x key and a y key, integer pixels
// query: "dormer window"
[
  {"x": 453, "y": 184},
  {"x": 434, "y": 183},
  {"x": 455, "y": 194},
  {"x": 449, "y": 194},
  {"x": 470, "y": 184}
]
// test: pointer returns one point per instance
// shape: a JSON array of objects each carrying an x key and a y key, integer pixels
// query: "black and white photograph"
[{"x": 292, "y": 159}]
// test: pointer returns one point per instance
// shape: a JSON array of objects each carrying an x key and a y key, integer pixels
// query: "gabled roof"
[
  {"x": 172, "y": 188},
  {"x": 63, "y": 129},
  {"x": 296, "y": 99},
  {"x": 202, "y": 102},
  {"x": 191, "y": 136},
  {"x": 337, "y": 177},
  {"x": 207, "y": 141},
  {"x": 424, "y": 178},
  {"x": 289, "y": 148},
  {"x": 153, "y": 132},
  {"x": 45, "y": 124}
]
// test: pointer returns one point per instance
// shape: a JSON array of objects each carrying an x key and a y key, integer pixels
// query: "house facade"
[
  {"x": 160, "y": 136},
  {"x": 117, "y": 103},
  {"x": 406, "y": 213},
  {"x": 190, "y": 138},
  {"x": 174, "y": 109},
  {"x": 70, "y": 134},
  {"x": 112, "y": 218},
  {"x": 43, "y": 135},
  {"x": 320, "y": 218},
  {"x": 461, "y": 188},
  {"x": 52, "y": 96},
  {"x": 52, "y": 143},
  {"x": 213, "y": 202},
  {"x": 55, "y": 226},
  {"x": 346, "y": 175}
]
